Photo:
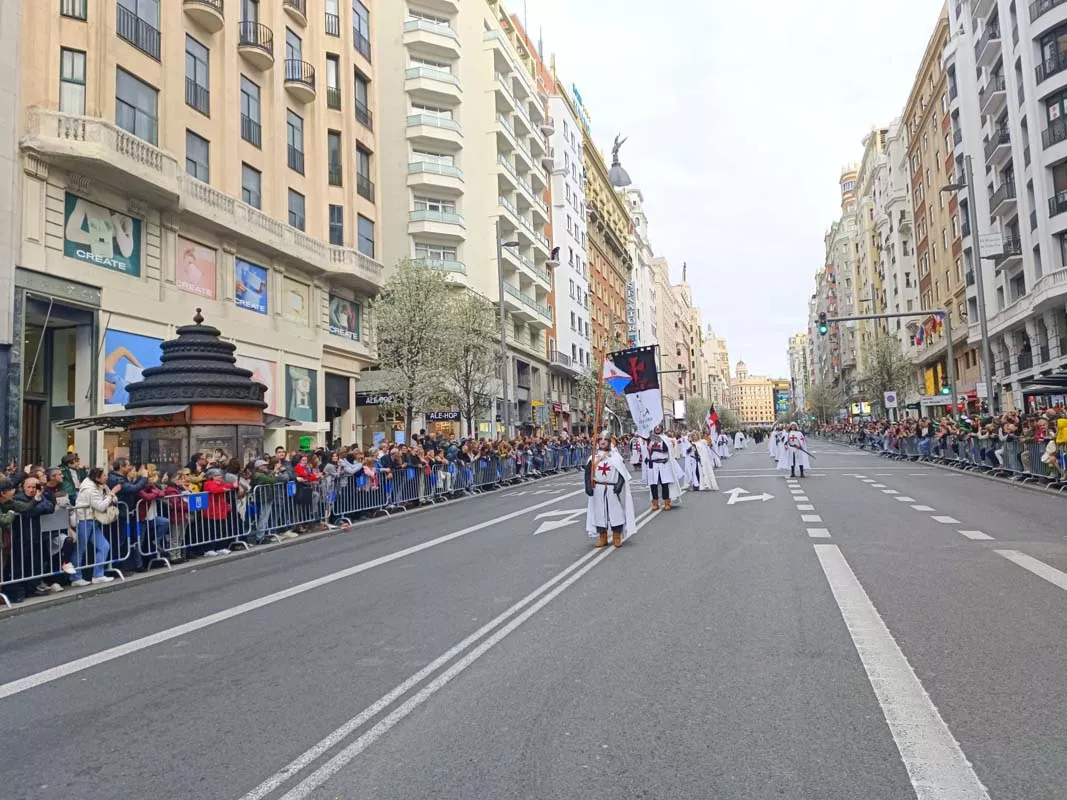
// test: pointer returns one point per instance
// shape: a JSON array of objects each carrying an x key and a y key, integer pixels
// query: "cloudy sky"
[{"x": 740, "y": 117}]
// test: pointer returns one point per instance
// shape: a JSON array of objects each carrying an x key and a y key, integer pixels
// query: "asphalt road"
[{"x": 876, "y": 630}]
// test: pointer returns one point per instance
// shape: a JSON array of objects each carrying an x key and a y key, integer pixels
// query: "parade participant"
[
  {"x": 774, "y": 442},
  {"x": 740, "y": 442},
  {"x": 607, "y": 483},
  {"x": 701, "y": 474},
  {"x": 793, "y": 451},
  {"x": 635, "y": 451},
  {"x": 659, "y": 470},
  {"x": 722, "y": 446}
]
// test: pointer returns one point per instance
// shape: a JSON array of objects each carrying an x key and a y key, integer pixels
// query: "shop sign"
[
  {"x": 557, "y": 408},
  {"x": 374, "y": 399},
  {"x": 98, "y": 235},
  {"x": 442, "y": 416}
]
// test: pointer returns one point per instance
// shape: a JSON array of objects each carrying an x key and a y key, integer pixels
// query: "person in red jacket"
[
  {"x": 217, "y": 514},
  {"x": 152, "y": 524},
  {"x": 307, "y": 479},
  {"x": 177, "y": 513}
]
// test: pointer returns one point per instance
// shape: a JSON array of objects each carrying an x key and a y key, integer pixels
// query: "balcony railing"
[
  {"x": 333, "y": 24},
  {"x": 426, "y": 215},
  {"x": 434, "y": 168},
  {"x": 1040, "y": 7},
  {"x": 1055, "y": 133},
  {"x": 296, "y": 159},
  {"x": 250, "y": 131},
  {"x": 333, "y": 97},
  {"x": 992, "y": 33},
  {"x": 334, "y": 172},
  {"x": 432, "y": 74},
  {"x": 198, "y": 97},
  {"x": 300, "y": 72},
  {"x": 362, "y": 43},
  {"x": 431, "y": 27},
  {"x": 253, "y": 34},
  {"x": 957, "y": 136},
  {"x": 298, "y": 6},
  {"x": 995, "y": 84},
  {"x": 562, "y": 359},
  {"x": 970, "y": 277},
  {"x": 141, "y": 34},
  {"x": 365, "y": 187},
  {"x": 1057, "y": 204},
  {"x": 1006, "y": 191},
  {"x": 1000, "y": 136},
  {"x": 528, "y": 301},
  {"x": 1013, "y": 246},
  {"x": 1050, "y": 66},
  {"x": 965, "y": 228},
  {"x": 434, "y": 122},
  {"x": 1033, "y": 220},
  {"x": 953, "y": 91},
  {"x": 444, "y": 265},
  {"x": 364, "y": 116}
]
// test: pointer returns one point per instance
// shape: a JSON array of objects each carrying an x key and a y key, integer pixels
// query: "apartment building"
[
  {"x": 1006, "y": 66},
  {"x": 572, "y": 355},
  {"x": 716, "y": 357},
  {"x": 799, "y": 375},
  {"x": 10, "y": 209},
  {"x": 671, "y": 323},
  {"x": 698, "y": 374},
  {"x": 641, "y": 292},
  {"x": 837, "y": 353},
  {"x": 752, "y": 397},
  {"x": 187, "y": 154},
  {"x": 868, "y": 276}
]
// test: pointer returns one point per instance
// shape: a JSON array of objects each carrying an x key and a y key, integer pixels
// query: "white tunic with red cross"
[{"x": 608, "y": 510}]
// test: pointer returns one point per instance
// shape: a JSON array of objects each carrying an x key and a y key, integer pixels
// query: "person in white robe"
[
  {"x": 635, "y": 452},
  {"x": 611, "y": 505},
  {"x": 774, "y": 442},
  {"x": 740, "y": 441},
  {"x": 709, "y": 440},
  {"x": 794, "y": 452},
  {"x": 659, "y": 470},
  {"x": 699, "y": 470},
  {"x": 722, "y": 446}
]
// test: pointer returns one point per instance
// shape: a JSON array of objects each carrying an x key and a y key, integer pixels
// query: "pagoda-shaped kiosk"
[{"x": 196, "y": 401}]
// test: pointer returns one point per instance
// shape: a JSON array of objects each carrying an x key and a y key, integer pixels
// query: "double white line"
[{"x": 471, "y": 649}]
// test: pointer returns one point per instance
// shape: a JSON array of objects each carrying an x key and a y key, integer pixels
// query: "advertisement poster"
[
  {"x": 344, "y": 318},
  {"x": 295, "y": 301},
  {"x": 98, "y": 235},
  {"x": 266, "y": 372},
  {"x": 126, "y": 356},
  {"x": 251, "y": 286},
  {"x": 194, "y": 271},
  {"x": 301, "y": 393}
]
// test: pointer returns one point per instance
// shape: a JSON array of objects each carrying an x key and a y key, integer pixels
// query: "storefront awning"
[{"x": 121, "y": 418}]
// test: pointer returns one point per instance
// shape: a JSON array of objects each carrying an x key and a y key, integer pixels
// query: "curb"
[{"x": 72, "y": 595}]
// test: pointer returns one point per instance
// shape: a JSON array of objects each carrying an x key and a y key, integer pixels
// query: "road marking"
[
  {"x": 922, "y": 508},
  {"x": 819, "y": 533},
  {"x": 861, "y": 476},
  {"x": 136, "y": 645},
  {"x": 936, "y": 764},
  {"x": 800, "y": 498},
  {"x": 918, "y": 473},
  {"x": 976, "y": 535},
  {"x": 339, "y": 761},
  {"x": 904, "y": 499},
  {"x": 736, "y": 498},
  {"x": 1039, "y": 568},
  {"x": 868, "y": 480},
  {"x": 945, "y": 520},
  {"x": 890, "y": 491},
  {"x": 877, "y": 485},
  {"x": 810, "y": 518},
  {"x": 803, "y": 507},
  {"x": 796, "y": 491},
  {"x": 569, "y": 518}
]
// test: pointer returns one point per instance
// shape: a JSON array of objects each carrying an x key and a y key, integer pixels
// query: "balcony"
[
  {"x": 433, "y": 85},
  {"x": 1051, "y": 66},
  {"x": 1033, "y": 220},
  {"x": 561, "y": 363},
  {"x": 333, "y": 97},
  {"x": 434, "y": 130},
  {"x": 1012, "y": 255},
  {"x": 509, "y": 177},
  {"x": 198, "y": 97},
  {"x": 443, "y": 224},
  {"x": 528, "y": 307},
  {"x": 135, "y": 30},
  {"x": 998, "y": 145},
  {"x": 300, "y": 80},
  {"x": 441, "y": 265},
  {"x": 1041, "y": 7},
  {"x": 548, "y": 127},
  {"x": 334, "y": 173},
  {"x": 251, "y": 131},
  {"x": 548, "y": 162},
  {"x": 208, "y": 14},
  {"x": 297, "y": 11},
  {"x": 505, "y": 100},
  {"x": 431, "y": 174},
  {"x": 965, "y": 228},
  {"x": 438, "y": 41},
  {"x": 1003, "y": 196},
  {"x": 1055, "y": 133},
  {"x": 364, "y": 116},
  {"x": 333, "y": 24},
  {"x": 970, "y": 278},
  {"x": 1057, "y": 204},
  {"x": 987, "y": 48},
  {"x": 957, "y": 137},
  {"x": 993, "y": 96},
  {"x": 365, "y": 187},
  {"x": 256, "y": 43}
]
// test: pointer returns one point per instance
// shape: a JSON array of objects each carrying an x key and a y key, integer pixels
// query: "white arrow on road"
[
  {"x": 735, "y": 498},
  {"x": 569, "y": 518}
]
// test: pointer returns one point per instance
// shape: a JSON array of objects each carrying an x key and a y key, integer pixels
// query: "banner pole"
[{"x": 599, "y": 398}]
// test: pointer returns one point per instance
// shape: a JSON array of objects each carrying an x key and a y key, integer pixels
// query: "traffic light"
[
  {"x": 946, "y": 390},
  {"x": 823, "y": 326}
]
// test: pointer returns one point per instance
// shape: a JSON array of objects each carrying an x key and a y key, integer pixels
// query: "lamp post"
[
  {"x": 979, "y": 282},
  {"x": 505, "y": 414}
]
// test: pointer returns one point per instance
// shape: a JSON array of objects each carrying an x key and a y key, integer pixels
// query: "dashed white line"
[
  {"x": 923, "y": 508},
  {"x": 800, "y": 498},
  {"x": 868, "y": 480},
  {"x": 936, "y": 764},
  {"x": 976, "y": 535},
  {"x": 861, "y": 476},
  {"x": 810, "y": 518},
  {"x": 877, "y": 485},
  {"x": 1039, "y": 568},
  {"x": 945, "y": 520},
  {"x": 904, "y": 499},
  {"x": 805, "y": 507},
  {"x": 890, "y": 491},
  {"x": 819, "y": 533}
]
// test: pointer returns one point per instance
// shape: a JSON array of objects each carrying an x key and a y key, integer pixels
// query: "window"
[
  {"x": 337, "y": 225},
  {"x": 333, "y": 17},
  {"x": 435, "y": 252},
  {"x": 75, "y": 9},
  {"x": 333, "y": 81},
  {"x": 362, "y": 93},
  {"x": 72, "y": 82},
  {"x": 364, "y": 185},
  {"x": 365, "y": 243},
  {"x": 333, "y": 156},
  {"x": 427, "y": 157},
  {"x": 250, "y": 130},
  {"x": 249, "y": 10},
  {"x": 435, "y": 205},
  {"x": 251, "y": 185},
  {"x": 573, "y": 322},
  {"x": 197, "y": 79},
  {"x": 296, "y": 209},
  {"x": 295, "y": 137},
  {"x": 136, "y": 107},
  {"x": 294, "y": 54},
  {"x": 361, "y": 28},
  {"x": 137, "y": 21},
  {"x": 196, "y": 157}
]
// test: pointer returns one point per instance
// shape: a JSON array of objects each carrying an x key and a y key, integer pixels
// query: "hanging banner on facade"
[
  {"x": 631, "y": 313},
  {"x": 643, "y": 394},
  {"x": 344, "y": 318},
  {"x": 250, "y": 286},
  {"x": 195, "y": 269},
  {"x": 98, "y": 235}
]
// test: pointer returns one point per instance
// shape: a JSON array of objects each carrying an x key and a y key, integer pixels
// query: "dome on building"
[{"x": 741, "y": 369}]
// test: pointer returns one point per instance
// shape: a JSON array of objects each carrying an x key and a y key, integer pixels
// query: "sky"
[{"x": 740, "y": 116}]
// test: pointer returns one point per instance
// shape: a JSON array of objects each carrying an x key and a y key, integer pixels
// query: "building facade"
[
  {"x": 641, "y": 311},
  {"x": 799, "y": 375},
  {"x": 868, "y": 278},
  {"x": 716, "y": 357},
  {"x": 752, "y": 397},
  {"x": 179, "y": 155},
  {"x": 671, "y": 324}
]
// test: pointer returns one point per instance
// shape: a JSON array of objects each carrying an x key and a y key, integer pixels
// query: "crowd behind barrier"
[
  {"x": 1026, "y": 448},
  {"x": 71, "y": 526}
]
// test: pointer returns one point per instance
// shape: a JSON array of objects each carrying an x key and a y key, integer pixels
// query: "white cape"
[
  {"x": 670, "y": 473},
  {"x": 722, "y": 446},
  {"x": 792, "y": 452},
  {"x": 630, "y": 527},
  {"x": 739, "y": 441},
  {"x": 707, "y": 472}
]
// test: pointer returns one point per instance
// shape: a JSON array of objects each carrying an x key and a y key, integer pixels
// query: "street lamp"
[
  {"x": 505, "y": 415},
  {"x": 983, "y": 322}
]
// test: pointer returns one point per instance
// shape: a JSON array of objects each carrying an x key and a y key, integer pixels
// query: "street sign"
[
  {"x": 991, "y": 244},
  {"x": 568, "y": 518},
  {"x": 890, "y": 399},
  {"x": 736, "y": 498}
]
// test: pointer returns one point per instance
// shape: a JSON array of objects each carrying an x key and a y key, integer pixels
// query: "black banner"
[{"x": 640, "y": 364}]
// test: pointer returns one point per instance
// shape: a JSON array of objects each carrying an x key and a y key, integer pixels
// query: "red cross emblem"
[{"x": 604, "y": 468}]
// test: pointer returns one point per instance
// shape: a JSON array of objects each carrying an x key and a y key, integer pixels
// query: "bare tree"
[
  {"x": 886, "y": 370},
  {"x": 825, "y": 401},
  {"x": 408, "y": 320},
  {"x": 470, "y": 354}
]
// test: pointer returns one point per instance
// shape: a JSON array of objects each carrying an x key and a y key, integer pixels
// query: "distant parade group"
[{"x": 668, "y": 461}]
